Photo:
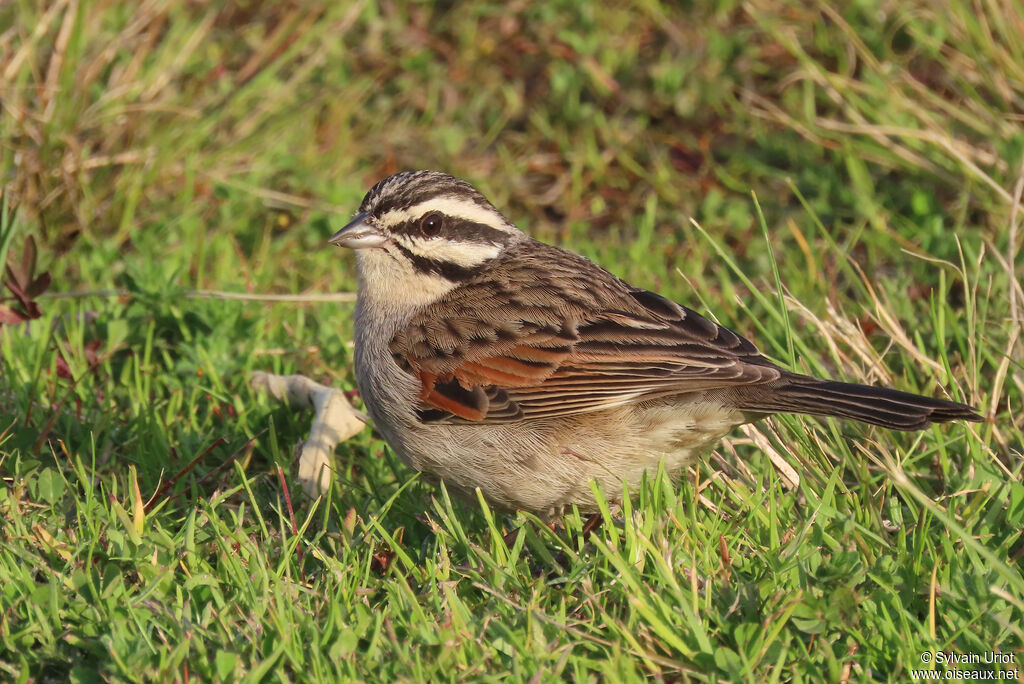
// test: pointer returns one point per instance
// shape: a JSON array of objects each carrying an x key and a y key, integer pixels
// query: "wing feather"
[{"x": 553, "y": 335}]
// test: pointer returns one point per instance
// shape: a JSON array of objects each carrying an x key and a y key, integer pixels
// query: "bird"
[{"x": 492, "y": 361}]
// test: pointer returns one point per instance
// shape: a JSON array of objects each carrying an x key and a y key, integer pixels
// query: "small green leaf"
[
  {"x": 224, "y": 663},
  {"x": 50, "y": 486}
]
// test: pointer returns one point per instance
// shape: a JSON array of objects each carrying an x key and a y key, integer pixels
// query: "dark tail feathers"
[{"x": 888, "y": 408}]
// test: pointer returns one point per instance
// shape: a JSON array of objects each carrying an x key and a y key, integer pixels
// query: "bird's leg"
[{"x": 591, "y": 525}]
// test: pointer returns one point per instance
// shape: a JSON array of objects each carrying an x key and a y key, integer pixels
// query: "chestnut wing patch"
[{"x": 476, "y": 364}]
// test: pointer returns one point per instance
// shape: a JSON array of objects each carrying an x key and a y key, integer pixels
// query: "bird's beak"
[{"x": 358, "y": 234}]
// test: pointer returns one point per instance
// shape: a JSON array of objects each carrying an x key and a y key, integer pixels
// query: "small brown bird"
[{"x": 493, "y": 361}]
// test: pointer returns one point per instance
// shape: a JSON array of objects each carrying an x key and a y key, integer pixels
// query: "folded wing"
[{"x": 537, "y": 344}]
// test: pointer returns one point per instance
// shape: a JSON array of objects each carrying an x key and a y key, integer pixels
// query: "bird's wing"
[{"x": 545, "y": 342}]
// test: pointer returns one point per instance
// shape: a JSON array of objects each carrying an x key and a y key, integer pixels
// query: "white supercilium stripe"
[
  {"x": 465, "y": 254},
  {"x": 456, "y": 207}
]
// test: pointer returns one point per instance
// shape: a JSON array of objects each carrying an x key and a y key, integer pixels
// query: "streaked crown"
[{"x": 440, "y": 224}]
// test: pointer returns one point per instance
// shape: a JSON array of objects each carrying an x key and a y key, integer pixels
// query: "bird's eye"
[{"x": 431, "y": 224}]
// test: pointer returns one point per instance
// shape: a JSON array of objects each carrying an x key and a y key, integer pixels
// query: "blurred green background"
[{"x": 842, "y": 183}]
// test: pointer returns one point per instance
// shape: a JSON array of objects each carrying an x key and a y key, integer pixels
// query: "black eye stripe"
[
  {"x": 462, "y": 229},
  {"x": 430, "y": 225},
  {"x": 456, "y": 229}
]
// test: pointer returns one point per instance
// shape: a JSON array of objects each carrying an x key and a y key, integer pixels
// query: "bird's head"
[{"x": 419, "y": 234}]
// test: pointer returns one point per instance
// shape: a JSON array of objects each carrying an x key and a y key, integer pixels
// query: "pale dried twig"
[
  {"x": 335, "y": 422},
  {"x": 789, "y": 476}
]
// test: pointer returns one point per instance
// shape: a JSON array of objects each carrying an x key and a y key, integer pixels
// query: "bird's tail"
[{"x": 888, "y": 408}]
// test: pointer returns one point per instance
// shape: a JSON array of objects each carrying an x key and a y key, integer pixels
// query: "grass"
[{"x": 854, "y": 179}]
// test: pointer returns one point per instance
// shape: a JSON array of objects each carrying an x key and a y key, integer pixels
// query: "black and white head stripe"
[
  {"x": 410, "y": 195},
  {"x": 438, "y": 223},
  {"x": 408, "y": 188}
]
